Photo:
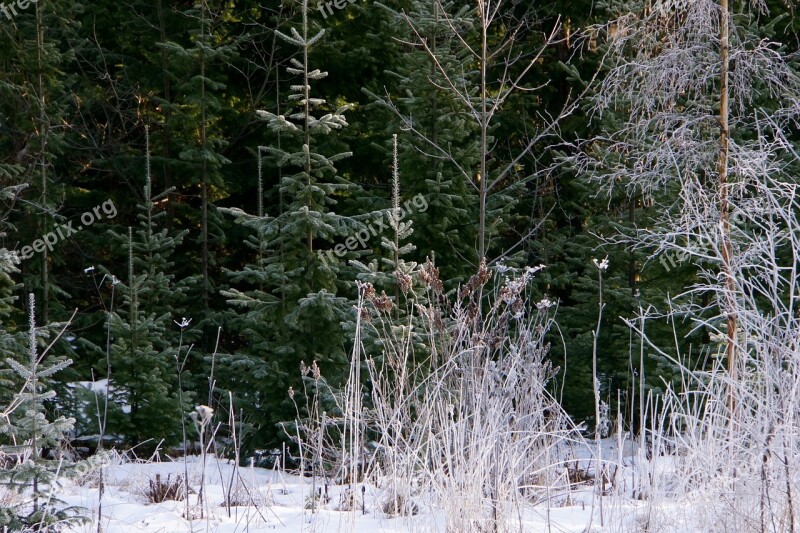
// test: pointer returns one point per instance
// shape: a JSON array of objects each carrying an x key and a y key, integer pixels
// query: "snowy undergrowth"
[
  {"x": 448, "y": 406},
  {"x": 452, "y": 427},
  {"x": 279, "y": 503},
  {"x": 709, "y": 110},
  {"x": 474, "y": 426}
]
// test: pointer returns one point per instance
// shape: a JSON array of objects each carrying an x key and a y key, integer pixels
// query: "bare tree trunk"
[
  {"x": 165, "y": 152},
  {"x": 43, "y": 314},
  {"x": 482, "y": 177},
  {"x": 724, "y": 205},
  {"x": 204, "y": 167}
]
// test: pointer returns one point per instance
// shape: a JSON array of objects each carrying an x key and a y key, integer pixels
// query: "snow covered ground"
[
  {"x": 275, "y": 501},
  {"x": 279, "y": 504}
]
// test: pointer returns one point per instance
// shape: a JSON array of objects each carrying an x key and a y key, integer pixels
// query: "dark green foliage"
[
  {"x": 288, "y": 307},
  {"x": 144, "y": 337},
  {"x": 50, "y": 518}
]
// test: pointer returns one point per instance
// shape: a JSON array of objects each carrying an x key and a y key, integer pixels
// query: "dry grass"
[
  {"x": 243, "y": 495},
  {"x": 396, "y": 504},
  {"x": 165, "y": 489}
]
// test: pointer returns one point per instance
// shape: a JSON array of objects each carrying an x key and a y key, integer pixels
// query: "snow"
[
  {"x": 276, "y": 501},
  {"x": 125, "y": 507},
  {"x": 99, "y": 388}
]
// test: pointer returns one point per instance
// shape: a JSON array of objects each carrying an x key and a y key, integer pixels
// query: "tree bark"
[
  {"x": 165, "y": 144},
  {"x": 204, "y": 167},
  {"x": 43, "y": 131},
  {"x": 724, "y": 203}
]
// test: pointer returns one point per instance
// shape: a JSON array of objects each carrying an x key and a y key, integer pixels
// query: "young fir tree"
[
  {"x": 144, "y": 381},
  {"x": 403, "y": 292},
  {"x": 254, "y": 307},
  {"x": 357, "y": 49},
  {"x": 25, "y": 431},
  {"x": 12, "y": 341},
  {"x": 291, "y": 295},
  {"x": 384, "y": 271},
  {"x": 446, "y": 230}
]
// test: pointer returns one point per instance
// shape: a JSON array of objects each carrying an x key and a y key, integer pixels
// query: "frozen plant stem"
[
  {"x": 235, "y": 469},
  {"x": 33, "y": 388},
  {"x": 212, "y": 382},
  {"x": 642, "y": 443},
  {"x": 179, "y": 366},
  {"x": 202, "y": 416},
  {"x": 596, "y": 387},
  {"x": 102, "y": 423}
]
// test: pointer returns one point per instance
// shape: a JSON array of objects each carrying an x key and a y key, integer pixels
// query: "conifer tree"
[
  {"x": 294, "y": 310},
  {"x": 33, "y": 87},
  {"x": 143, "y": 369},
  {"x": 12, "y": 341},
  {"x": 396, "y": 229},
  {"x": 25, "y": 431},
  {"x": 399, "y": 294},
  {"x": 445, "y": 230},
  {"x": 196, "y": 119}
]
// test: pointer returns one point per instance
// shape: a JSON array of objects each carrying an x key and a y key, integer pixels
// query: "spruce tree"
[
  {"x": 292, "y": 304},
  {"x": 33, "y": 86},
  {"x": 143, "y": 352},
  {"x": 26, "y": 430},
  {"x": 446, "y": 230},
  {"x": 197, "y": 116},
  {"x": 12, "y": 340}
]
